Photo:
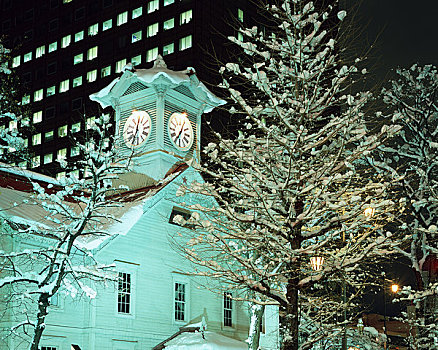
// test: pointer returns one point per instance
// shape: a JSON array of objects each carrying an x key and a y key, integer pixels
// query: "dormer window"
[{"x": 181, "y": 212}]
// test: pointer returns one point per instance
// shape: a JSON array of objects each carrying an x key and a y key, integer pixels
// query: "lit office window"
[
  {"x": 62, "y": 131},
  {"x": 105, "y": 71},
  {"x": 169, "y": 24},
  {"x": 185, "y": 17},
  {"x": 74, "y": 173},
  {"x": 136, "y": 60},
  {"x": 168, "y": 49},
  {"x": 51, "y": 90},
  {"x": 93, "y": 29},
  {"x": 74, "y": 151},
  {"x": 22, "y": 165},
  {"x": 77, "y": 81},
  {"x": 36, "y": 139},
  {"x": 137, "y": 12},
  {"x": 38, "y": 95},
  {"x": 48, "y": 136},
  {"x": 185, "y": 43},
  {"x": 152, "y": 54},
  {"x": 79, "y": 36},
  {"x": 92, "y": 53},
  {"x": 136, "y": 36},
  {"x": 240, "y": 15},
  {"x": 37, "y": 117},
  {"x": 152, "y": 30},
  {"x": 120, "y": 64},
  {"x": 61, "y": 154},
  {"x": 90, "y": 122},
  {"x": 27, "y": 57},
  {"x": 92, "y": 76},
  {"x": 25, "y": 121},
  {"x": 36, "y": 162},
  {"x": 13, "y": 125},
  {"x": 107, "y": 25},
  {"x": 60, "y": 175},
  {"x": 40, "y": 51},
  {"x": 122, "y": 18},
  {"x": 53, "y": 46},
  {"x": 66, "y": 41},
  {"x": 153, "y": 6},
  {"x": 48, "y": 158},
  {"x": 168, "y": 2},
  {"x": 66, "y": 1},
  {"x": 16, "y": 61},
  {"x": 240, "y": 36},
  {"x": 76, "y": 127},
  {"x": 25, "y": 99},
  {"x": 78, "y": 58},
  {"x": 64, "y": 85}
]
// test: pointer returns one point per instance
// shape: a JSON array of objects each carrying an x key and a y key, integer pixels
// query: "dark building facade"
[{"x": 64, "y": 50}]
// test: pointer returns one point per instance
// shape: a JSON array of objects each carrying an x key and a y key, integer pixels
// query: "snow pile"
[{"x": 212, "y": 341}]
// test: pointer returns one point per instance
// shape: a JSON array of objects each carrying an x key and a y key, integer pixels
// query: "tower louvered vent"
[
  {"x": 182, "y": 89},
  {"x": 137, "y": 86}
]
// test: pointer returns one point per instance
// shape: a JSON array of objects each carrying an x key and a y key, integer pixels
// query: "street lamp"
[
  {"x": 394, "y": 288},
  {"x": 369, "y": 212}
]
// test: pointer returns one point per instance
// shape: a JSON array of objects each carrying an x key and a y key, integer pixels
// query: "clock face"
[
  {"x": 180, "y": 131},
  {"x": 137, "y": 129}
]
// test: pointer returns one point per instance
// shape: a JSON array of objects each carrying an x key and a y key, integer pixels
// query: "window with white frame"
[
  {"x": 61, "y": 154},
  {"x": 136, "y": 36},
  {"x": 36, "y": 139},
  {"x": 240, "y": 15},
  {"x": 38, "y": 95},
  {"x": 77, "y": 81},
  {"x": 62, "y": 131},
  {"x": 93, "y": 29},
  {"x": 25, "y": 99},
  {"x": 228, "y": 309},
  {"x": 122, "y": 18},
  {"x": 168, "y": 49},
  {"x": 168, "y": 2},
  {"x": 76, "y": 127},
  {"x": 137, "y": 12},
  {"x": 78, "y": 58},
  {"x": 92, "y": 53},
  {"x": 120, "y": 64},
  {"x": 37, "y": 117},
  {"x": 124, "y": 297},
  {"x": 79, "y": 36},
  {"x": 151, "y": 54},
  {"x": 40, "y": 51},
  {"x": 16, "y": 61},
  {"x": 92, "y": 75},
  {"x": 66, "y": 41},
  {"x": 48, "y": 136},
  {"x": 152, "y": 30},
  {"x": 51, "y": 90},
  {"x": 136, "y": 60},
  {"x": 48, "y": 158},
  {"x": 153, "y": 5},
  {"x": 169, "y": 24},
  {"x": 64, "y": 85},
  {"x": 185, "y": 17},
  {"x": 27, "y": 57},
  {"x": 180, "y": 301},
  {"x": 107, "y": 25},
  {"x": 53, "y": 47},
  {"x": 185, "y": 43},
  {"x": 36, "y": 161}
]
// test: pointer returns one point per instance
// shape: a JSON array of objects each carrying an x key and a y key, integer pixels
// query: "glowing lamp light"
[
  {"x": 394, "y": 288},
  {"x": 316, "y": 262},
  {"x": 353, "y": 348},
  {"x": 369, "y": 212}
]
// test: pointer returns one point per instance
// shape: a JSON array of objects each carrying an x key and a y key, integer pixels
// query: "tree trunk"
[
  {"x": 256, "y": 313},
  {"x": 43, "y": 303},
  {"x": 290, "y": 322}
]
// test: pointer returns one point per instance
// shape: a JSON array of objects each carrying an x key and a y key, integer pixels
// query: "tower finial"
[{"x": 159, "y": 62}]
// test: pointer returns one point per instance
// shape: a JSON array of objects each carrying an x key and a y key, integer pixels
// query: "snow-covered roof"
[
  {"x": 211, "y": 341},
  {"x": 155, "y": 76}
]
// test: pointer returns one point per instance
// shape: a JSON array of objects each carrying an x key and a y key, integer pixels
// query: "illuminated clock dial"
[
  {"x": 137, "y": 129},
  {"x": 180, "y": 131}
]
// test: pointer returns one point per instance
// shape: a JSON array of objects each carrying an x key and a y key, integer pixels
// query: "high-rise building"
[{"x": 64, "y": 50}]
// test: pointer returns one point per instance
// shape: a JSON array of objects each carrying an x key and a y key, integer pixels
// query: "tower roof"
[{"x": 157, "y": 76}]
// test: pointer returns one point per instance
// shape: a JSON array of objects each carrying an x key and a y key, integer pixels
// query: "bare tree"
[
  {"x": 62, "y": 222},
  {"x": 294, "y": 184}
]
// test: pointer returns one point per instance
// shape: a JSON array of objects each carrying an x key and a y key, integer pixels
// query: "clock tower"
[{"x": 157, "y": 115}]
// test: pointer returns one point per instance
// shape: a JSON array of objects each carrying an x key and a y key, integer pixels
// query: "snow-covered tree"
[
  {"x": 412, "y": 157},
  {"x": 49, "y": 251},
  {"x": 294, "y": 185}
]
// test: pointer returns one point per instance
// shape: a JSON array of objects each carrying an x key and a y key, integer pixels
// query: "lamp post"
[{"x": 394, "y": 289}]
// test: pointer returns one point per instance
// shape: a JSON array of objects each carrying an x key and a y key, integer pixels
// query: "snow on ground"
[{"x": 212, "y": 341}]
